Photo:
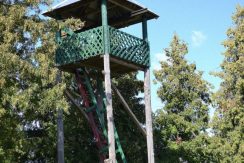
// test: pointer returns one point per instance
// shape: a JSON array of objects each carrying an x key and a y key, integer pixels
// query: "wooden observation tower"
[{"x": 101, "y": 46}]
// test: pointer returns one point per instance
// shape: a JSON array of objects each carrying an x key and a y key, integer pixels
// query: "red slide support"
[{"x": 100, "y": 143}]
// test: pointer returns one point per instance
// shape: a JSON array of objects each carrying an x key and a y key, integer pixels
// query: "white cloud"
[
  {"x": 198, "y": 38},
  {"x": 159, "y": 57},
  {"x": 156, "y": 66}
]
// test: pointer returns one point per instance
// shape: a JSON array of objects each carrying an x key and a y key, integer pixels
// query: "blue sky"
[{"x": 202, "y": 24}]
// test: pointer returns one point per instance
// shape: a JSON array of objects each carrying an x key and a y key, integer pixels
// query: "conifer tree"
[
  {"x": 228, "y": 123},
  {"x": 186, "y": 100},
  {"x": 29, "y": 95}
]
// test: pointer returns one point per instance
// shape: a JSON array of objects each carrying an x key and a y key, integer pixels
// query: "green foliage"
[
  {"x": 30, "y": 95},
  {"x": 133, "y": 142},
  {"x": 186, "y": 100},
  {"x": 228, "y": 122},
  {"x": 78, "y": 135},
  {"x": 79, "y": 144}
]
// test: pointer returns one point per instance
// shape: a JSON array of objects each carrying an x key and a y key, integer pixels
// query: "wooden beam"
[
  {"x": 60, "y": 127},
  {"x": 128, "y": 19},
  {"x": 108, "y": 90},
  {"x": 71, "y": 98},
  {"x": 126, "y": 64},
  {"x": 60, "y": 145},
  {"x": 147, "y": 94},
  {"x": 92, "y": 18},
  {"x": 120, "y": 5},
  {"x": 128, "y": 110},
  {"x": 108, "y": 161},
  {"x": 95, "y": 12}
]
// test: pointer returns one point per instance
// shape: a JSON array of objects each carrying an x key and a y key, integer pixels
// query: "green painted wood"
[
  {"x": 94, "y": 101},
  {"x": 145, "y": 38},
  {"x": 77, "y": 47},
  {"x": 99, "y": 111},
  {"x": 90, "y": 109},
  {"x": 128, "y": 47},
  {"x": 119, "y": 147},
  {"x": 117, "y": 140},
  {"x": 105, "y": 26}
]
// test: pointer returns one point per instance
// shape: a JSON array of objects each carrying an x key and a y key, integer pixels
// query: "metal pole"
[
  {"x": 147, "y": 94},
  {"x": 60, "y": 135},
  {"x": 108, "y": 91}
]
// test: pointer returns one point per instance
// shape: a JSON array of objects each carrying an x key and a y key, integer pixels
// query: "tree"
[
  {"x": 133, "y": 142},
  {"x": 186, "y": 100},
  {"x": 29, "y": 95},
  {"x": 78, "y": 135},
  {"x": 229, "y": 117}
]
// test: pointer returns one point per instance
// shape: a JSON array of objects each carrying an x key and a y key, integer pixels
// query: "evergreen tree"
[
  {"x": 133, "y": 142},
  {"x": 185, "y": 96},
  {"x": 228, "y": 123},
  {"x": 30, "y": 95},
  {"x": 79, "y": 137}
]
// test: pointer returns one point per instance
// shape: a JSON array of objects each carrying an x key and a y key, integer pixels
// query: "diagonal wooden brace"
[
  {"x": 128, "y": 110},
  {"x": 68, "y": 94}
]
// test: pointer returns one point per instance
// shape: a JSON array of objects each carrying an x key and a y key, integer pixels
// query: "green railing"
[
  {"x": 128, "y": 47},
  {"x": 75, "y": 47}
]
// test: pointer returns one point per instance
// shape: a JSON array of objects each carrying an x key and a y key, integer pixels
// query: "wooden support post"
[
  {"x": 108, "y": 161},
  {"x": 147, "y": 94},
  {"x": 108, "y": 91},
  {"x": 100, "y": 96},
  {"x": 128, "y": 110},
  {"x": 60, "y": 134}
]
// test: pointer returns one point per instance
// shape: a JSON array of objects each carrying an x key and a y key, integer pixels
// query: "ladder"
[{"x": 94, "y": 101}]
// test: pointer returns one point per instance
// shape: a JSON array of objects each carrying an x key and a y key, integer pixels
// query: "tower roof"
[{"x": 121, "y": 13}]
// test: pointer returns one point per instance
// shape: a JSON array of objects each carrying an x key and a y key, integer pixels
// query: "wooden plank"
[
  {"x": 116, "y": 65},
  {"x": 60, "y": 128},
  {"x": 95, "y": 12},
  {"x": 108, "y": 161},
  {"x": 147, "y": 94},
  {"x": 126, "y": 64},
  {"x": 109, "y": 109},
  {"x": 128, "y": 110},
  {"x": 60, "y": 136},
  {"x": 108, "y": 90},
  {"x": 129, "y": 16},
  {"x": 121, "y": 5},
  {"x": 71, "y": 98}
]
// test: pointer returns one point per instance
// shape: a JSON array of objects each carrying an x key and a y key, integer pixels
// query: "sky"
[{"x": 202, "y": 24}]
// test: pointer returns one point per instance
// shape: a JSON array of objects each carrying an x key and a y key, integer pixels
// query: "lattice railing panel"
[
  {"x": 75, "y": 47},
  {"x": 129, "y": 47}
]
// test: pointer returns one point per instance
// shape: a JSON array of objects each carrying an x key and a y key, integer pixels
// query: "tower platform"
[
  {"x": 85, "y": 49},
  {"x": 86, "y": 46}
]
